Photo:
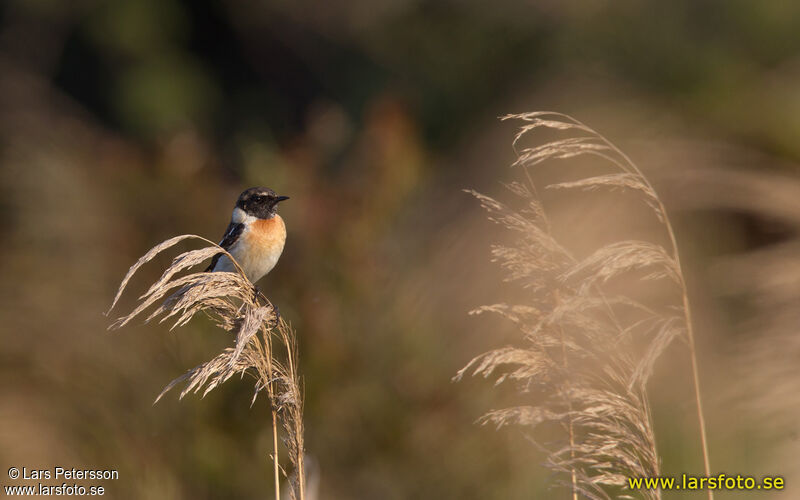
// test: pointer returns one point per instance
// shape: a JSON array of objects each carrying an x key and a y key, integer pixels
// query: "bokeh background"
[{"x": 123, "y": 123}]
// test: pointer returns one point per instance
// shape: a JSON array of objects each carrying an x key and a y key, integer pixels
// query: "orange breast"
[
  {"x": 263, "y": 243},
  {"x": 265, "y": 239},
  {"x": 268, "y": 233},
  {"x": 260, "y": 247}
]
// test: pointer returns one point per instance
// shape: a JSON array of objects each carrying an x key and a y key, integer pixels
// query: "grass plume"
[
  {"x": 265, "y": 346},
  {"x": 586, "y": 353}
]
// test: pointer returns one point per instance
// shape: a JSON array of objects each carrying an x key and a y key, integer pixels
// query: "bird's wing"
[{"x": 228, "y": 240}]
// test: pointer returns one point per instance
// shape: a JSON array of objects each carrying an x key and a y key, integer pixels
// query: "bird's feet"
[{"x": 276, "y": 316}]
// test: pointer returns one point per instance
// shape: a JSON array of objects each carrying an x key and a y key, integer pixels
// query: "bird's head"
[{"x": 259, "y": 202}]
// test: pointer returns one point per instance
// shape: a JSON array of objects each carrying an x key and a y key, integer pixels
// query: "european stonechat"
[{"x": 255, "y": 236}]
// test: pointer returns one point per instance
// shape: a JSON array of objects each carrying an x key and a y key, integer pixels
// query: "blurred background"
[{"x": 124, "y": 123}]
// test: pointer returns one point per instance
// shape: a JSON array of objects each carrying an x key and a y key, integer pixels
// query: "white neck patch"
[{"x": 241, "y": 217}]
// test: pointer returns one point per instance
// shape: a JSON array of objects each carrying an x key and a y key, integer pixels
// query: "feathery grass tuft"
[
  {"x": 587, "y": 353},
  {"x": 236, "y": 306}
]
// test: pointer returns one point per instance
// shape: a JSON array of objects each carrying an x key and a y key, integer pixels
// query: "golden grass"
[
  {"x": 586, "y": 353},
  {"x": 265, "y": 346}
]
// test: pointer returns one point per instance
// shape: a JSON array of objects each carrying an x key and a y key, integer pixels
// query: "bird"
[{"x": 255, "y": 236}]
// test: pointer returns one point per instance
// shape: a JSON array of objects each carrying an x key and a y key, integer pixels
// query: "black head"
[{"x": 259, "y": 202}]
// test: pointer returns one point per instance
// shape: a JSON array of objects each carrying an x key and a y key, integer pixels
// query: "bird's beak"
[{"x": 281, "y": 198}]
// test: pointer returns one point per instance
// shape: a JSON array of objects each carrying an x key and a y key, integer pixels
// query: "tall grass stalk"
[
  {"x": 236, "y": 306},
  {"x": 588, "y": 352}
]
